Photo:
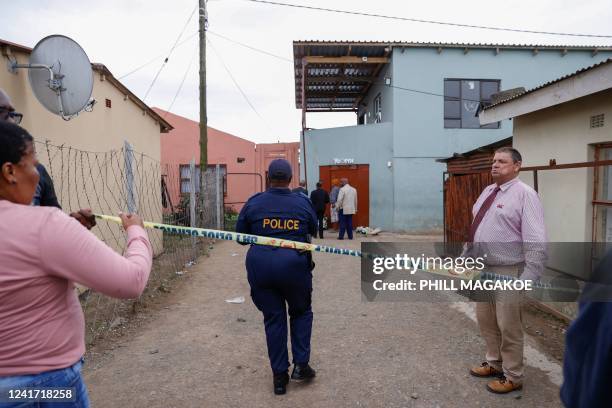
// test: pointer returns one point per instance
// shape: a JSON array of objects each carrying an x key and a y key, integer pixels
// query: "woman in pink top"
[{"x": 42, "y": 252}]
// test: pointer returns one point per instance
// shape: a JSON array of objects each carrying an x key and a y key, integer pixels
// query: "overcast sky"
[{"x": 124, "y": 34}]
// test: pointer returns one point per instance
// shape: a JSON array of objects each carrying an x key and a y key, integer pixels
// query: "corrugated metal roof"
[
  {"x": 503, "y": 142},
  {"x": 351, "y": 81},
  {"x": 416, "y": 44},
  {"x": 335, "y": 85},
  {"x": 544, "y": 85}
]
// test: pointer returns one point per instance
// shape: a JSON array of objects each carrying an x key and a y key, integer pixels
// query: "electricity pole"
[{"x": 203, "y": 23}]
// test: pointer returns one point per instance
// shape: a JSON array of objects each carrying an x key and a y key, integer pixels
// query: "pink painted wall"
[
  {"x": 182, "y": 144},
  {"x": 266, "y": 152}
]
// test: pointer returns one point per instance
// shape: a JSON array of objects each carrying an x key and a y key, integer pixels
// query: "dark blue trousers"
[
  {"x": 346, "y": 224},
  {"x": 281, "y": 279}
]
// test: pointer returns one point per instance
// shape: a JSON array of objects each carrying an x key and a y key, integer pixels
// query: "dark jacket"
[
  {"x": 45, "y": 192},
  {"x": 300, "y": 189},
  {"x": 319, "y": 199},
  {"x": 587, "y": 365},
  {"x": 278, "y": 213}
]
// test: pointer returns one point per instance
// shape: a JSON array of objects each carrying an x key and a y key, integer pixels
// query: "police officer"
[{"x": 282, "y": 277}]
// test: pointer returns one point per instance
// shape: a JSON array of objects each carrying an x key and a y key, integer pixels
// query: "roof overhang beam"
[{"x": 345, "y": 60}]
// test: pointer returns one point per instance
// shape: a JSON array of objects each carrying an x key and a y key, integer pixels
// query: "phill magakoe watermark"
[{"x": 466, "y": 270}]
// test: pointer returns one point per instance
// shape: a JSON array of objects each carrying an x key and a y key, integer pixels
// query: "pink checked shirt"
[
  {"x": 512, "y": 231},
  {"x": 42, "y": 252}
]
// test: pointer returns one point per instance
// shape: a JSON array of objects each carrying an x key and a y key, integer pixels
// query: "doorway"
[{"x": 359, "y": 177}]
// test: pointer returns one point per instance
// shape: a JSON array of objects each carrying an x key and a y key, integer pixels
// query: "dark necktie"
[{"x": 481, "y": 213}]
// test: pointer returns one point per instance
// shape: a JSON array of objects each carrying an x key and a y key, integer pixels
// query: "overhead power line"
[
  {"x": 251, "y": 47},
  {"x": 152, "y": 60},
  {"x": 246, "y": 98},
  {"x": 285, "y": 59},
  {"x": 169, "y": 53},
  {"x": 178, "y": 91},
  {"x": 425, "y": 92},
  {"x": 418, "y": 20}
]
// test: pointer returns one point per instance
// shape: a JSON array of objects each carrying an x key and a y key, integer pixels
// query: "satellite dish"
[{"x": 60, "y": 76}]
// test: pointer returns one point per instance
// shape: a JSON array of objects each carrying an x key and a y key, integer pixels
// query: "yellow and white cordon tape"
[{"x": 238, "y": 237}]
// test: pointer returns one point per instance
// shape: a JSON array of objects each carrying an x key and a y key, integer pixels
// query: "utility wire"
[
  {"x": 152, "y": 60},
  {"x": 427, "y": 92},
  {"x": 348, "y": 79},
  {"x": 246, "y": 98},
  {"x": 251, "y": 47},
  {"x": 169, "y": 53},
  {"x": 178, "y": 91},
  {"x": 417, "y": 20}
]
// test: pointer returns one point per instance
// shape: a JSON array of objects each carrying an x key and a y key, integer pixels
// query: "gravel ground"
[{"x": 199, "y": 351}]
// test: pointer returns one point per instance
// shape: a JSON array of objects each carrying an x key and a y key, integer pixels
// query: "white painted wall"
[{"x": 563, "y": 133}]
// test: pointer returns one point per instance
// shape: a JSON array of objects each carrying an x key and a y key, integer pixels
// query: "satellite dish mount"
[
  {"x": 55, "y": 82},
  {"x": 60, "y": 76}
]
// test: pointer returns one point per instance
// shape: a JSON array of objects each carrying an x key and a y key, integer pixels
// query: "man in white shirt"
[
  {"x": 509, "y": 230},
  {"x": 346, "y": 206}
]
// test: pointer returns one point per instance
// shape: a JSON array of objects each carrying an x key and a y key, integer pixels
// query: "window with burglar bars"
[
  {"x": 602, "y": 195},
  {"x": 462, "y": 97},
  {"x": 186, "y": 178}
]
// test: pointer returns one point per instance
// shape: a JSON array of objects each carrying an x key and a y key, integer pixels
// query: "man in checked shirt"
[{"x": 508, "y": 230}]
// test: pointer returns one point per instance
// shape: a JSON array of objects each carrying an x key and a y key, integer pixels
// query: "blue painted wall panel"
[
  {"x": 419, "y": 136},
  {"x": 408, "y": 196},
  {"x": 370, "y": 144}
]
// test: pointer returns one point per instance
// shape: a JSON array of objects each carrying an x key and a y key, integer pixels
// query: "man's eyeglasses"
[{"x": 6, "y": 114}]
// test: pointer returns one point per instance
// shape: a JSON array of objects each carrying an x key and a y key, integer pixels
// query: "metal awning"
[{"x": 338, "y": 74}]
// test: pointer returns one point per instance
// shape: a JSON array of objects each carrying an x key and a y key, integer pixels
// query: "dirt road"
[{"x": 203, "y": 352}]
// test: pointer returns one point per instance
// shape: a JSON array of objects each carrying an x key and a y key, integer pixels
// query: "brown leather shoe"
[
  {"x": 503, "y": 386},
  {"x": 485, "y": 370}
]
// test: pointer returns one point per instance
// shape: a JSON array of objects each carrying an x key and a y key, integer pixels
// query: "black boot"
[
  {"x": 302, "y": 372},
  {"x": 280, "y": 383}
]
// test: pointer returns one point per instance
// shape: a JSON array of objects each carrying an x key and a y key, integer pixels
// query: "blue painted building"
[{"x": 414, "y": 103}]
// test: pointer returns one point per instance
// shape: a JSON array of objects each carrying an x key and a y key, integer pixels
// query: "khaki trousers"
[{"x": 501, "y": 326}]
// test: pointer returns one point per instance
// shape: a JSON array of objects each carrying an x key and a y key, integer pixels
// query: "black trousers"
[
  {"x": 281, "y": 284},
  {"x": 320, "y": 222}
]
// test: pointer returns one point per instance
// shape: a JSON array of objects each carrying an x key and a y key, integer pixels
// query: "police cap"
[{"x": 279, "y": 169}]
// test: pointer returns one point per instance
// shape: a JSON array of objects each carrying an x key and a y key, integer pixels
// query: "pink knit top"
[{"x": 42, "y": 252}]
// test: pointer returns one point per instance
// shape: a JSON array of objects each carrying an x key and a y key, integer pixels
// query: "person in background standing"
[
  {"x": 587, "y": 363},
  {"x": 301, "y": 189},
  {"x": 347, "y": 207},
  {"x": 319, "y": 199},
  {"x": 333, "y": 197}
]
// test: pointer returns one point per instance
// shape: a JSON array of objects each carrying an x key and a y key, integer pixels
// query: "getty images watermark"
[
  {"x": 435, "y": 272},
  {"x": 443, "y": 272},
  {"x": 468, "y": 270}
]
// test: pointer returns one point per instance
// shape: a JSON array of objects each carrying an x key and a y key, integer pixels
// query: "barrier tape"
[
  {"x": 303, "y": 246},
  {"x": 241, "y": 238}
]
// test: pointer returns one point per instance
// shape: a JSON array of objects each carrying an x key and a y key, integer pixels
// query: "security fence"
[{"x": 129, "y": 181}]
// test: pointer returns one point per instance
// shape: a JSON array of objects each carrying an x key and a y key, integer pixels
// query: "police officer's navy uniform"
[{"x": 281, "y": 277}]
